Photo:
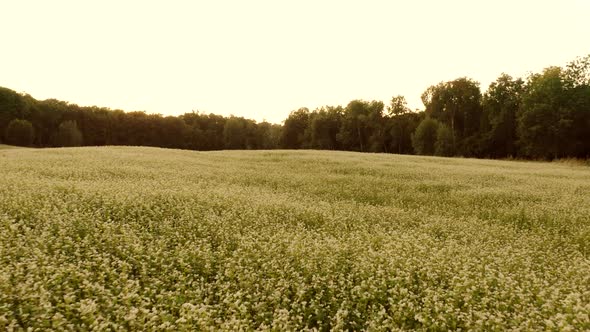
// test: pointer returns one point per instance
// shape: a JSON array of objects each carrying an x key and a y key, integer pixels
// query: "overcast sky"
[{"x": 263, "y": 59}]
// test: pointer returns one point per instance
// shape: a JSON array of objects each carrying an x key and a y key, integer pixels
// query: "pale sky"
[{"x": 263, "y": 59}]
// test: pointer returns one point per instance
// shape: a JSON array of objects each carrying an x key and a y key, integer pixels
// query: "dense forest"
[{"x": 544, "y": 116}]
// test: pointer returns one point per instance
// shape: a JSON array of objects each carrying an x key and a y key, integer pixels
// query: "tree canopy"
[{"x": 19, "y": 132}]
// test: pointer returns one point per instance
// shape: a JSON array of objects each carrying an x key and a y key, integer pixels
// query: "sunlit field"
[{"x": 122, "y": 238}]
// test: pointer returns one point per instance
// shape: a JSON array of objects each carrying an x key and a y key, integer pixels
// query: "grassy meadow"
[{"x": 129, "y": 238}]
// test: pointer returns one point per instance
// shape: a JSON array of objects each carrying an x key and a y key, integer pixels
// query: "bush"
[
  {"x": 20, "y": 132},
  {"x": 424, "y": 138},
  {"x": 444, "y": 141}
]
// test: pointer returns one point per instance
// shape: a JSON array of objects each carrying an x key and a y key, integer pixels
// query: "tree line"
[
  {"x": 53, "y": 123},
  {"x": 545, "y": 116}
]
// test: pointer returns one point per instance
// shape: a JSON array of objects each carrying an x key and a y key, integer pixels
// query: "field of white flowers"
[{"x": 121, "y": 238}]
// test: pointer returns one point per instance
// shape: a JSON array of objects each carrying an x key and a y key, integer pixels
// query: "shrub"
[
  {"x": 444, "y": 141},
  {"x": 424, "y": 137}
]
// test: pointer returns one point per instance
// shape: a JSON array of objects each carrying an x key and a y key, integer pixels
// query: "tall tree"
[
  {"x": 555, "y": 116},
  {"x": 577, "y": 77},
  {"x": 544, "y": 117},
  {"x": 269, "y": 135},
  {"x": 234, "y": 133},
  {"x": 577, "y": 72},
  {"x": 324, "y": 127},
  {"x": 12, "y": 106},
  {"x": 294, "y": 129},
  {"x": 172, "y": 132},
  {"x": 398, "y": 125},
  {"x": 397, "y": 106},
  {"x": 501, "y": 103},
  {"x": 93, "y": 123},
  {"x": 457, "y": 104},
  {"x": 362, "y": 126},
  {"x": 212, "y": 127},
  {"x": 400, "y": 128}
]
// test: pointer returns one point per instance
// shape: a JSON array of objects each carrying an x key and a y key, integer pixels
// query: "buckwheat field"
[{"x": 123, "y": 238}]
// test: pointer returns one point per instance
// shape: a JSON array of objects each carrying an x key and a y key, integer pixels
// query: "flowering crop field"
[{"x": 128, "y": 238}]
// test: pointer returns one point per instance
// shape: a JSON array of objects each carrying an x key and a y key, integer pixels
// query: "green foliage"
[
  {"x": 425, "y": 136},
  {"x": 240, "y": 133},
  {"x": 19, "y": 132},
  {"x": 544, "y": 117},
  {"x": 325, "y": 126},
  {"x": 362, "y": 126},
  {"x": 13, "y": 106},
  {"x": 68, "y": 135},
  {"x": 457, "y": 104},
  {"x": 269, "y": 135},
  {"x": 577, "y": 72},
  {"x": 145, "y": 239},
  {"x": 397, "y": 106},
  {"x": 400, "y": 128},
  {"x": 234, "y": 133},
  {"x": 501, "y": 103},
  {"x": 444, "y": 141},
  {"x": 294, "y": 129}
]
